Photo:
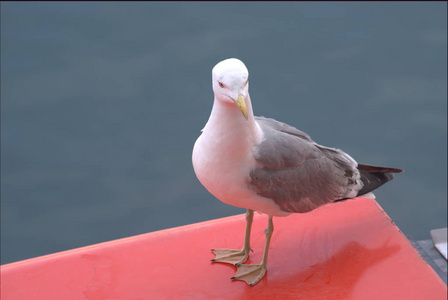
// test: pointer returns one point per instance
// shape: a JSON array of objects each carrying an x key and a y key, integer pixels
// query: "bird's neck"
[{"x": 230, "y": 130}]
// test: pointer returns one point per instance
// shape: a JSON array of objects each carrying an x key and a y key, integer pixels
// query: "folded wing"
[{"x": 298, "y": 174}]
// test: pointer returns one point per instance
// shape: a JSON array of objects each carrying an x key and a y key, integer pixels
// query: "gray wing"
[{"x": 298, "y": 174}]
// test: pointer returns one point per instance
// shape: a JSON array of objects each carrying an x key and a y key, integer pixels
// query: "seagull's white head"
[{"x": 230, "y": 83}]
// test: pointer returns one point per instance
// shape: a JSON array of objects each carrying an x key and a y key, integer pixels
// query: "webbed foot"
[
  {"x": 230, "y": 256},
  {"x": 251, "y": 274}
]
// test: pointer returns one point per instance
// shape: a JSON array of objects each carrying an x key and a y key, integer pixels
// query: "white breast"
[{"x": 224, "y": 172}]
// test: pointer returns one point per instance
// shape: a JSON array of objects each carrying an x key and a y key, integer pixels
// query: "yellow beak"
[{"x": 241, "y": 104}]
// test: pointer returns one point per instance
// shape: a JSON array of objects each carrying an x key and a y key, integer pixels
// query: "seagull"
[{"x": 264, "y": 165}]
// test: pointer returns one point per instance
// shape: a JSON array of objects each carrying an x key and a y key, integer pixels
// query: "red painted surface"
[{"x": 348, "y": 250}]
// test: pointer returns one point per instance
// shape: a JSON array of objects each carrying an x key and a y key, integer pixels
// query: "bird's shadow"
[{"x": 336, "y": 275}]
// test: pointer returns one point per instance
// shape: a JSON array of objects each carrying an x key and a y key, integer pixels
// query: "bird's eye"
[{"x": 221, "y": 84}]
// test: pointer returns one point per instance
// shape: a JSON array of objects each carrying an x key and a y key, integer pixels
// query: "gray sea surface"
[{"x": 101, "y": 103}]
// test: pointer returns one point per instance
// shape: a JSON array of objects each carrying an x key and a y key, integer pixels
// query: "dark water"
[{"x": 102, "y": 103}]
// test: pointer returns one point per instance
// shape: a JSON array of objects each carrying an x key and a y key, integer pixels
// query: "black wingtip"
[
  {"x": 377, "y": 169},
  {"x": 373, "y": 180}
]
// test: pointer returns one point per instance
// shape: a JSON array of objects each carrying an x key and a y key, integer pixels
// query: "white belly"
[{"x": 226, "y": 176}]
